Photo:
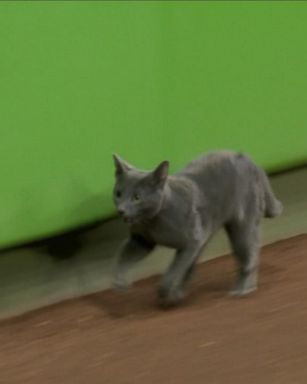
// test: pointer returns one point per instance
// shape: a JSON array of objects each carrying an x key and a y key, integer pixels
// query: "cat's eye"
[
  {"x": 136, "y": 197},
  {"x": 118, "y": 194}
]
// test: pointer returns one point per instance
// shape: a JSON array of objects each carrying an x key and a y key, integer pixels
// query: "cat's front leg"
[
  {"x": 171, "y": 288},
  {"x": 133, "y": 250}
]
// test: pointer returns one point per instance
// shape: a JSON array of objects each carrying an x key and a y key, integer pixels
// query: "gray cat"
[{"x": 183, "y": 211}]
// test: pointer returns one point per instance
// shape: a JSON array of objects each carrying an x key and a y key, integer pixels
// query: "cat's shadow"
[
  {"x": 209, "y": 287},
  {"x": 141, "y": 300}
]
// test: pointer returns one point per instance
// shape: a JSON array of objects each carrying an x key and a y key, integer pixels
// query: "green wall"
[{"x": 148, "y": 80}]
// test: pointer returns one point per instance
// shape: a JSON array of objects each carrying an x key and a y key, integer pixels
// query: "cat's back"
[
  {"x": 223, "y": 180},
  {"x": 213, "y": 162},
  {"x": 221, "y": 172}
]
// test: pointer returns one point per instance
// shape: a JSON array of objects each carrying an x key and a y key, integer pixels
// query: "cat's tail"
[{"x": 272, "y": 206}]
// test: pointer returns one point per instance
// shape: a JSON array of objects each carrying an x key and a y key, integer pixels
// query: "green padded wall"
[{"x": 148, "y": 80}]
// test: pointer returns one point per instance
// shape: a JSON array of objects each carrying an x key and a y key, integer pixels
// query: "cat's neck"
[{"x": 175, "y": 187}]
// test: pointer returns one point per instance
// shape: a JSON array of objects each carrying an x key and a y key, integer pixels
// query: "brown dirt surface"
[{"x": 211, "y": 338}]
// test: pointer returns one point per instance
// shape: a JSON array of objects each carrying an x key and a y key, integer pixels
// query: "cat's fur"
[{"x": 220, "y": 189}]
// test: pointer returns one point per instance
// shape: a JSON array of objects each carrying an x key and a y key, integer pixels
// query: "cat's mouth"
[
  {"x": 128, "y": 220},
  {"x": 132, "y": 220}
]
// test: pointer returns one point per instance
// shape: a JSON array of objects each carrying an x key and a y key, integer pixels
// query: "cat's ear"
[
  {"x": 120, "y": 165},
  {"x": 161, "y": 172}
]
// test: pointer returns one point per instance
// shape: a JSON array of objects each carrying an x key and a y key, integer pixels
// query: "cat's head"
[{"x": 138, "y": 194}]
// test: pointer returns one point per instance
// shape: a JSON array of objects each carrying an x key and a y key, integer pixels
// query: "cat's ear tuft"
[
  {"x": 120, "y": 165},
  {"x": 161, "y": 172}
]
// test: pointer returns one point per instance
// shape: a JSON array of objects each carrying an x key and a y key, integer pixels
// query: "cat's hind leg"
[{"x": 244, "y": 237}]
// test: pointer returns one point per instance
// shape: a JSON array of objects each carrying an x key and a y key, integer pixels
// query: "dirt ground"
[{"x": 212, "y": 338}]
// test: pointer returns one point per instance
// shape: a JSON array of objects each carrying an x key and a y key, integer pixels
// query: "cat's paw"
[
  {"x": 242, "y": 291},
  {"x": 170, "y": 297},
  {"x": 121, "y": 285}
]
